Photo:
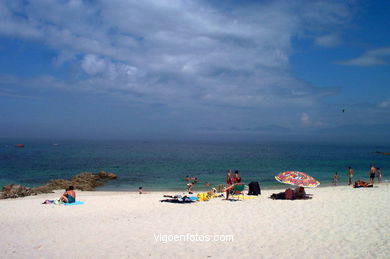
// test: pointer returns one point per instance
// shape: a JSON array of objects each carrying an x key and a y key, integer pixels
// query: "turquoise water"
[{"x": 163, "y": 165}]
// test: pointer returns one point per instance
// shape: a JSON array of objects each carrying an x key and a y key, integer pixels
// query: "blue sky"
[{"x": 195, "y": 69}]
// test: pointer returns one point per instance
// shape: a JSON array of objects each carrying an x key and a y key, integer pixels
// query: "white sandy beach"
[{"x": 339, "y": 222}]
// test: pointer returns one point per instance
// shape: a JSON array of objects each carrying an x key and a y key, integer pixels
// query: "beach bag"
[
  {"x": 289, "y": 194},
  {"x": 254, "y": 188}
]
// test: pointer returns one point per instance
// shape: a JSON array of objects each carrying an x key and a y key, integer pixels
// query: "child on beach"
[
  {"x": 350, "y": 175},
  {"x": 335, "y": 178},
  {"x": 141, "y": 191},
  {"x": 378, "y": 171}
]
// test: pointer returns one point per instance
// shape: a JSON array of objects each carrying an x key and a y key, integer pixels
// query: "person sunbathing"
[
  {"x": 360, "y": 183},
  {"x": 300, "y": 193},
  {"x": 289, "y": 194},
  {"x": 69, "y": 195}
]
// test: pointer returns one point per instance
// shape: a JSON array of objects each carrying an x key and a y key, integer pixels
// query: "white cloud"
[
  {"x": 385, "y": 104},
  {"x": 329, "y": 40},
  {"x": 305, "y": 119},
  {"x": 369, "y": 58},
  {"x": 93, "y": 65},
  {"x": 172, "y": 52}
]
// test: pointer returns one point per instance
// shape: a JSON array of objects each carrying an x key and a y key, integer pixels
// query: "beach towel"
[
  {"x": 184, "y": 199},
  {"x": 243, "y": 197},
  {"x": 74, "y": 203}
]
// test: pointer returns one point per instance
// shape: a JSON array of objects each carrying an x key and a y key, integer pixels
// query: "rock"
[
  {"x": 106, "y": 175},
  {"x": 15, "y": 191},
  {"x": 57, "y": 184},
  {"x": 86, "y": 181},
  {"x": 83, "y": 181}
]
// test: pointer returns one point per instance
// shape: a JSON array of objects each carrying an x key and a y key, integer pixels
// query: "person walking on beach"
[
  {"x": 378, "y": 171},
  {"x": 372, "y": 173},
  {"x": 350, "y": 175},
  {"x": 336, "y": 178}
]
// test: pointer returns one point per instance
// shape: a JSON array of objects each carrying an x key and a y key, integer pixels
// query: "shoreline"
[
  {"x": 203, "y": 189},
  {"x": 59, "y": 192}
]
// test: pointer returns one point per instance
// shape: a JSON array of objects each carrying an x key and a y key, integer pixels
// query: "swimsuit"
[
  {"x": 229, "y": 181},
  {"x": 71, "y": 199}
]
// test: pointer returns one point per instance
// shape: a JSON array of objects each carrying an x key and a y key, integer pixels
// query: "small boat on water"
[
  {"x": 383, "y": 153},
  {"x": 19, "y": 145}
]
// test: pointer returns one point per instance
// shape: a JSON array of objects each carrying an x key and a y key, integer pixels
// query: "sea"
[{"x": 163, "y": 165}]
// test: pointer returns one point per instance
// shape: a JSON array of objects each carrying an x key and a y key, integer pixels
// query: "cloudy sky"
[{"x": 182, "y": 68}]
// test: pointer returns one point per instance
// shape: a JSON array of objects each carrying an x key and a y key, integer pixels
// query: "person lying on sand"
[
  {"x": 69, "y": 195},
  {"x": 297, "y": 194},
  {"x": 300, "y": 193},
  {"x": 360, "y": 183}
]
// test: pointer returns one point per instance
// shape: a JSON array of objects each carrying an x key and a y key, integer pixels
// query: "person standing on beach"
[
  {"x": 229, "y": 177},
  {"x": 189, "y": 184},
  {"x": 372, "y": 173},
  {"x": 378, "y": 171},
  {"x": 350, "y": 175},
  {"x": 335, "y": 178},
  {"x": 236, "y": 178},
  {"x": 228, "y": 182}
]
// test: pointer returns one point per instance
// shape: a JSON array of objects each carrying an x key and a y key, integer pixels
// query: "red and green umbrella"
[{"x": 297, "y": 178}]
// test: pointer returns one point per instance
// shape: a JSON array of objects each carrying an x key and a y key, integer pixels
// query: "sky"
[{"x": 182, "y": 69}]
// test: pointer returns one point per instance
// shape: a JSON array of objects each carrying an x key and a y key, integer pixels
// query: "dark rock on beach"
[
  {"x": 14, "y": 191},
  {"x": 83, "y": 181}
]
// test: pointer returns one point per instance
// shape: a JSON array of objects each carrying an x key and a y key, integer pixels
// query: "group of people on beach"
[
  {"x": 373, "y": 171},
  {"x": 231, "y": 181}
]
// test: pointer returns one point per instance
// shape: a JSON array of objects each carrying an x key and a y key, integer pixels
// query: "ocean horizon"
[{"x": 163, "y": 165}]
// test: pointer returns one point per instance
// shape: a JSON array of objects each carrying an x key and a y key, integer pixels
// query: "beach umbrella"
[{"x": 297, "y": 178}]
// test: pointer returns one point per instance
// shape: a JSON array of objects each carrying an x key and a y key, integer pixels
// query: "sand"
[{"x": 339, "y": 222}]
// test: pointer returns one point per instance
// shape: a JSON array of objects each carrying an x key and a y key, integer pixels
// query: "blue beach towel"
[{"x": 75, "y": 203}]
